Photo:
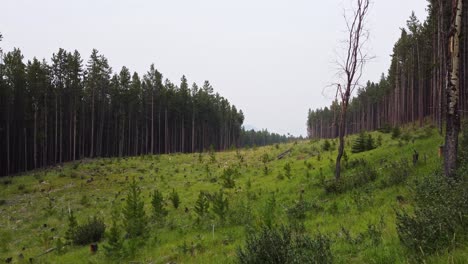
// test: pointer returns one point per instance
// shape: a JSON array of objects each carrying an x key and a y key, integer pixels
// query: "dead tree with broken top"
[{"x": 351, "y": 68}]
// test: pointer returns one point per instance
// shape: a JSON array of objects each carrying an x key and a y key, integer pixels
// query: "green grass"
[{"x": 34, "y": 212}]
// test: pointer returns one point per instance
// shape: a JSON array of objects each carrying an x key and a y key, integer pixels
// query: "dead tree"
[
  {"x": 453, "y": 91},
  {"x": 351, "y": 68}
]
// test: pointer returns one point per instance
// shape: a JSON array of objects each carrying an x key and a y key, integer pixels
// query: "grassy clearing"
[{"x": 360, "y": 222}]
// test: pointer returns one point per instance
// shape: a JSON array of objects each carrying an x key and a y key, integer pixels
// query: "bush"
[
  {"x": 90, "y": 232},
  {"x": 326, "y": 145},
  {"x": 440, "y": 218},
  {"x": 283, "y": 246},
  {"x": 361, "y": 176},
  {"x": 398, "y": 172},
  {"x": 396, "y": 132}
]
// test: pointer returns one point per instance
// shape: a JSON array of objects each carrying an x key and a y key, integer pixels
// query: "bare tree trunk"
[
  {"x": 35, "y": 137},
  {"x": 193, "y": 131},
  {"x": 91, "y": 151},
  {"x": 152, "y": 122},
  {"x": 351, "y": 69},
  {"x": 453, "y": 94}
]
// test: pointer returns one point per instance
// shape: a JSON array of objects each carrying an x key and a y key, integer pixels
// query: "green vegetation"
[{"x": 167, "y": 208}]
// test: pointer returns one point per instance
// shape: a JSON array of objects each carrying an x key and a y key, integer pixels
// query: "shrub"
[
  {"x": 440, "y": 218},
  {"x": 398, "y": 172},
  {"x": 283, "y": 246},
  {"x": 396, "y": 132},
  {"x": 326, "y": 145},
  {"x": 92, "y": 231},
  {"x": 385, "y": 128},
  {"x": 361, "y": 176}
]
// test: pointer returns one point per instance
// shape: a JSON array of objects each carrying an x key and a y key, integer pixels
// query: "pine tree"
[
  {"x": 134, "y": 216},
  {"x": 220, "y": 205},
  {"x": 72, "y": 227},
  {"x": 202, "y": 205},
  {"x": 175, "y": 199},
  {"x": 159, "y": 210},
  {"x": 360, "y": 144},
  {"x": 113, "y": 248}
]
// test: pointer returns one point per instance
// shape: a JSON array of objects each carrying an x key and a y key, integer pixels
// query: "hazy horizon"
[{"x": 272, "y": 59}]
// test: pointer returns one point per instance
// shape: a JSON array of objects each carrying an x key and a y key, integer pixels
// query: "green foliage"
[
  {"x": 385, "y": 128},
  {"x": 283, "y": 246},
  {"x": 114, "y": 247},
  {"x": 92, "y": 231},
  {"x": 363, "y": 143},
  {"x": 174, "y": 198},
  {"x": 440, "y": 217},
  {"x": 212, "y": 154},
  {"x": 398, "y": 172},
  {"x": 72, "y": 227},
  {"x": 60, "y": 246},
  {"x": 134, "y": 216},
  {"x": 202, "y": 205},
  {"x": 396, "y": 132},
  {"x": 362, "y": 175},
  {"x": 287, "y": 170},
  {"x": 270, "y": 211},
  {"x": 159, "y": 209},
  {"x": 326, "y": 145},
  {"x": 220, "y": 205},
  {"x": 228, "y": 177}
]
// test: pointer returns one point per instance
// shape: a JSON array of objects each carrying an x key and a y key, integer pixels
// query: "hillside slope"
[{"x": 34, "y": 207}]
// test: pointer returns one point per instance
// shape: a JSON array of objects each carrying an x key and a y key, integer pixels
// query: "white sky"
[{"x": 270, "y": 58}]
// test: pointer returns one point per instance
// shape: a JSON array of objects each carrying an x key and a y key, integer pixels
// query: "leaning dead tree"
[
  {"x": 351, "y": 68},
  {"x": 453, "y": 90}
]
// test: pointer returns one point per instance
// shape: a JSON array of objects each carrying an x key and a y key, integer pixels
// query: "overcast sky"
[{"x": 270, "y": 58}]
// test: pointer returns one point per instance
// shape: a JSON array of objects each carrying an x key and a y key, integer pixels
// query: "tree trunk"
[{"x": 453, "y": 94}]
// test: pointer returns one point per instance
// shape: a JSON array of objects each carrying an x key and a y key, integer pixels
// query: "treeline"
[
  {"x": 413, "y": 91},
  {"x": 250, "y": 138},
  {"x": 64, "y": 111}
]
